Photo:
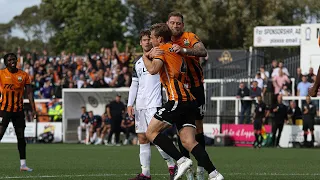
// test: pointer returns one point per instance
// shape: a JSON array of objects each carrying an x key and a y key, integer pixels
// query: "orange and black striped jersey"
[
  {"x": 195, "y": 72},
  {"x": 173, "y": 74},
  {"x": 12, "y": 90}
]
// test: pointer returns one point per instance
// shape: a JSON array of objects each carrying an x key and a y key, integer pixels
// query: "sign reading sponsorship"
[
  {"x": 294, "y": 133},
  {"x": 241, "y": 134},
  {"x": 53, "y": 129},
  {"x": 211, "y": 130},
  {"x": 10, "y": 135},
  {"x": 270, "y": 36},
  {"x": 309, "y": 49}
]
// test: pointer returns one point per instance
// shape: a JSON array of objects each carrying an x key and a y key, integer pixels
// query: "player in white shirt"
[{"x": 145, "y": 90}]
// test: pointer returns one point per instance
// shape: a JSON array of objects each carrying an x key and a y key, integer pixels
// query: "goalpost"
[{"x": 93, "y": 99}]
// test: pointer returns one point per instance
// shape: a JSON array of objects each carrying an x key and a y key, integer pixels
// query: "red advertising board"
[{"x": 241, "y": 134}]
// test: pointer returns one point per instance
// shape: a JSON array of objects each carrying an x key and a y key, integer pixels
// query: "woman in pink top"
[{"x": 278, "y": 81}]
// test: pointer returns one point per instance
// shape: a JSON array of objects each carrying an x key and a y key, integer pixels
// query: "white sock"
[
  {"x": 79, "y": 133},
  {"x": 213, "y": 174},
  {"x": 181, "y": 160},
  {"x": 200, "y": 169},
  {"x": 166, "y": 157},
  {"x": 145, "y": 156},
  {"x": 23, "y": 162}
]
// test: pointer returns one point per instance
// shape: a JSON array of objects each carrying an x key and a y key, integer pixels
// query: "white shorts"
[{"x": 143, "y": 118}]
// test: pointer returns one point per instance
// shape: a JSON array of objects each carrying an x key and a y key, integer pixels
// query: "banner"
[
  {"x": 271, "y": 36},
  {"x": 241, "y": 134},
  {"x": 50, "y": 128},
  {"x": 294, "y": 133},
  {"x": 10, "y": 135},
  {"x": 211, "y": 130}
]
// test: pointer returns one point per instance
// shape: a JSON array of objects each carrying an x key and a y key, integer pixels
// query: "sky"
[{"x": 11, "y": 8}]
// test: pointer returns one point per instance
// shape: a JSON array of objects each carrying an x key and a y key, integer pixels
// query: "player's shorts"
[
  {"x": 180, "y": 113},
  {"x": 308, "y": 124},
  {"x": 257, "y": 124},
  {"x": 17, "y": 119},
  {"x": 198, "y": 93},
  {"x": 143, "y": 118}
]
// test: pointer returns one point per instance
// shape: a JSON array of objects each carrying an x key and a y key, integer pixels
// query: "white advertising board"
[
  {"x": 10, "y": 135},
  {"x": 293, "y": 133},
  {"x": 54, "y": 127},
  {"x": 271, "y": 36},
  {"x": 211, "y": 130}
]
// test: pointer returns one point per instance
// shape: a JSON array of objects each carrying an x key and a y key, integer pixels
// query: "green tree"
[{"x": 85, "y": 24}]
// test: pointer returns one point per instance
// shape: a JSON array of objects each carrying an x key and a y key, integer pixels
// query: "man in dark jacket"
[
  {"x": 245, "y": 105},
  {"x": 309, "y": 112},
  {"x": 280, "y": 117},
  {"x": 294, "y": 112}
]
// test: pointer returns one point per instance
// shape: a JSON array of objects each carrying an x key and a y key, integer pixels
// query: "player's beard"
[
  {"x": 148, "y": 48},
  {"x": 176, "y": 33}
]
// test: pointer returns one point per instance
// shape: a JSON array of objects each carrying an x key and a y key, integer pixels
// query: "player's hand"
[
  {"x": 313, "y": 92},
  {"x": 130, "y": 111},
  {"x": 176, "y": 48},
  {"x": 156, "y": 51}
]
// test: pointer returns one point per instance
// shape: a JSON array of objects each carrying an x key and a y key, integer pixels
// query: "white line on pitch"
[{"x": 106, "y": 175}]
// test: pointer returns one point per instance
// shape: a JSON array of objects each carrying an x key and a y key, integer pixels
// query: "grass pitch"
[{"x": 68, "y": 161}]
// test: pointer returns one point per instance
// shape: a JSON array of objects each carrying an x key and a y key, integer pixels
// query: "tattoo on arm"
[{"x": 198, "y": 50}]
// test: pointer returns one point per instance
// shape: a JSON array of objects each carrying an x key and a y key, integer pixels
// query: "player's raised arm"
[{"x": 31, "y": 99}]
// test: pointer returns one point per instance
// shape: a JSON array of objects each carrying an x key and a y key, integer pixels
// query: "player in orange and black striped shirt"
[
  {"x": 13, "y": 82},
  {"x": 191, "y": 48},
  {"x": 180, "y": 108}
]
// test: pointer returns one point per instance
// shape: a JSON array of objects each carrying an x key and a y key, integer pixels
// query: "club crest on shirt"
[
  {"x": 186, "y": 42},
  {"x": 19, "y": 78}
]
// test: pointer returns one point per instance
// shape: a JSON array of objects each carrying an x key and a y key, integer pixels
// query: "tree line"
[{"x": 78, "y": 25}]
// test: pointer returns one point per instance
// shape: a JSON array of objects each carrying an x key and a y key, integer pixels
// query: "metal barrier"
[{"x": 237, "y": 104}]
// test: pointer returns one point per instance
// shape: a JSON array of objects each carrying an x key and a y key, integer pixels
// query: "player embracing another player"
[
  {"x": 145, "y": 90},
  {"x": 180, "y": 108},
  {"x": 189, "y": 46}
]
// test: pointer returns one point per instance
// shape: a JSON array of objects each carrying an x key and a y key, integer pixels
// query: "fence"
[{"x": 236, "y": 105}]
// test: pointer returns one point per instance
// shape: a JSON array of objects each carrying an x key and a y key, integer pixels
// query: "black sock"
[
  {"x": 257, "y": 138},
  {"x": 22, "y": 148},
  {"x": 260, "y": 140},
  {"x": 312, "y": 137},
  {"x": 305, "y": 137},
  {"x": 200, "y": 139},
  {"x": 203, "y": 158},
  {"x": 167, "y": 146},
  {"x": 183, "y": 150}
]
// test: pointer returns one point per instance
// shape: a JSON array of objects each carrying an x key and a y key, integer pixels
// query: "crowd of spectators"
[
  {"x": 270, "y": 84},
  {"x": 49, "y": 74}
]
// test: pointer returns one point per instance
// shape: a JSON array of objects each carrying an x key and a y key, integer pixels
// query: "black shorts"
[
  {"x": 308, "y": 124},
  {"x": 198, "y": 93},
  {"x": 17, "y": 119},
  {"x": 257, "y": 124},
  {"x": 179, "y": 113}
]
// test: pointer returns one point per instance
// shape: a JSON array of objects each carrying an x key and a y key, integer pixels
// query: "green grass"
[{"x": 67, "y": 161}]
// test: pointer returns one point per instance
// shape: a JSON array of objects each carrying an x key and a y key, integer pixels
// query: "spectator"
[
  {"x": 255, "y": 90},
  {"x": 47, "y": 90},
  {"x": 127, "y": 126},
  {"x": 294, "y": 112},
  {"x": 243, "y": 91},
  {"x": 310, "y": 75},
  {"x": 298, "y": 79},
  {"x": 285, "y": 92},
  {"x": 276, "y": 70},
  {"x": 309, "y": 112},
  {"x": 264, "y": 74},
  {"x": 259, "y": 80},
  {"x": 303, "y": 87},
  {"x": 274, "y": 65},
  {"x": 115, "y": 112},
  {"x": 278, "y": 82}
]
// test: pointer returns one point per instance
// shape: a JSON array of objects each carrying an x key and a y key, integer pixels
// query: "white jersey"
[{"x": 149, "y": 87}]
